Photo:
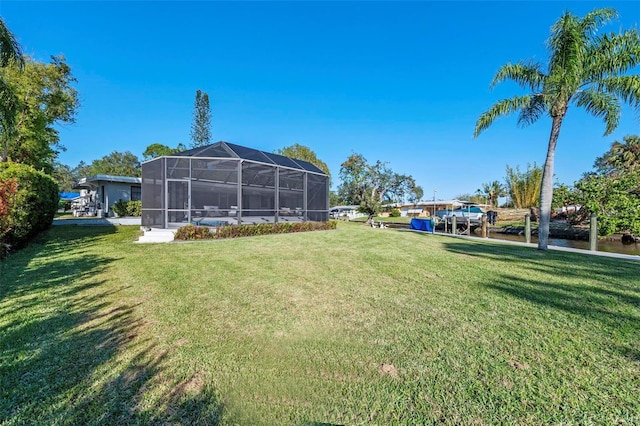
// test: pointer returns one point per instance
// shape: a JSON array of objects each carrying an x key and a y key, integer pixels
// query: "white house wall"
[{"x": 113, "y": 193}]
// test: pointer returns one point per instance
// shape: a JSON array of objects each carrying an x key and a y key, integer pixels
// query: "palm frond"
[
  {"x": 9, "y": 48},
  {"x": 625, "y": 87},
  {"x": 597, "y": 18},
  {"x": 526, "y": 75},
  {"x": 533, "y": 111},
  {"x": 612, "y": 54},
  {"x": 600, "y": 104},
  {"x": 499, "y": 109},
  {"x": 567, "y": 44}
]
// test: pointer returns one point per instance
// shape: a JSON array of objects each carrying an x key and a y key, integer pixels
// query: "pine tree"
[{"x": 201, "y": 127}]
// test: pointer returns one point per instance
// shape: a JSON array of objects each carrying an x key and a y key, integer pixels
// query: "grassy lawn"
[{"x": 353, "y": 326}]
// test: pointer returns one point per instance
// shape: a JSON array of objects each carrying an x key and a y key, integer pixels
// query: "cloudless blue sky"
[{"x": 402, "y": 82}]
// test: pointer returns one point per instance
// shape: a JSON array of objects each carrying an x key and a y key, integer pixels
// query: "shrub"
[
  {"x": 134, "y": 208},
  {"x": 120, "y": 208},
  {"x": 394, "y": 213},
  {"x": 190, "y": 232},
  {"x": 127, "y": 208},
  {"x": 33, "y": 204}
]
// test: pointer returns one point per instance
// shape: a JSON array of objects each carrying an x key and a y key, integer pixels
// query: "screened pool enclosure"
[{"x": 224, "y": 183}]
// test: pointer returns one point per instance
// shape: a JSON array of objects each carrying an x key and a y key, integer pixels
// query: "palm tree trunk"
[{"x": 546, "y": 190}]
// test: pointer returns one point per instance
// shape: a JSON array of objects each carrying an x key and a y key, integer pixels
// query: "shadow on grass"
[
  {"x": 69, "y": 354},
  {"x": 596, "y": 288}
]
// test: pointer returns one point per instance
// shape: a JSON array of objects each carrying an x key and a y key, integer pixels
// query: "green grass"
[{"x": 353, "y": 326}]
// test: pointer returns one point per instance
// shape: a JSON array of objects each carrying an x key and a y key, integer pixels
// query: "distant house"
[
  {"x": 100, "y": 192},
  {"x": 429, "y": 208}
]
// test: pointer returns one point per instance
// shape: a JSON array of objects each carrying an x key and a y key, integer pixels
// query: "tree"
[
  {"x": 64, "y": 177},
  {"x": 301, "y": 152},
  {"x": 201, "y": 126},
  {"x": 524, "y": 187},
  {"x": 622, "y": 156},
  {"x": 493, "y": 190},
  {"x": 586, "y": 68},
  {"x": 10, "y": 50},
  {"x": 44, "y": 99},
  {"x": 612, "y": 191},
  {"x": 334, "y": 199},
  {"x": 10, "y": 55},
  {"x": 116, "y": 164},
  {"x": 614, "y": 199},
  {"x": 156, "y": 150},
  {"x": 371, "y": 185}
]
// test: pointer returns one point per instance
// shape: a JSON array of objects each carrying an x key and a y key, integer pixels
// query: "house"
[
  {"x": 99, "y": 192},
  {"x": 224, "y": 183},
  {"x": 430, "y": 208}
]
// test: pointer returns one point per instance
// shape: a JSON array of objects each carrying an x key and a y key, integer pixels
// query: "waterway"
[{"x": 603, "y": 245}]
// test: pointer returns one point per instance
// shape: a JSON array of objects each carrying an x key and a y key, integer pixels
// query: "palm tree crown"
[{"x": 586, "y": 69}]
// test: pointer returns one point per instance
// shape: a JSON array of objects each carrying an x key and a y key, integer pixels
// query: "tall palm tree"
[
  {"x": 10, "y": 53},
  {"x": 586, "y": 69}
]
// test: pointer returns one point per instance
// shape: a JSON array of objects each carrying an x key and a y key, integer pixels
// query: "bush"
[
  {"x": 120, "y": 208},
  {"x": 190, "y": 232},
  {"x": 394, "y": 213},
  {"x": 134, "y": 208},
  {"x": 33, "y": 205},
  {"x": 127, "y": 208}
]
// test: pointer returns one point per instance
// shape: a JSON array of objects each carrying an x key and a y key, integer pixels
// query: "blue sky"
[{"x": 402, "y": 82}]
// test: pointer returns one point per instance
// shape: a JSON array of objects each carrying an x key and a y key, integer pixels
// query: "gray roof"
[
  {"x": 228, "y": 150},
  {"x": 95, "y": 179}
]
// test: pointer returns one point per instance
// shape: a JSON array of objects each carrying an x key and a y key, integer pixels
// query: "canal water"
[{"x": 603, "y": 245}]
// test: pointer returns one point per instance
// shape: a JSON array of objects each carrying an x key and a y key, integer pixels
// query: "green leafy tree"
[
  {"x": 201, "y": 126},
  {"x": 587, "y": 68},
  {"x": 614, "y": 199},
  {"x": 156, "y": 150},
  {"x": 524, "y": 187},
  {"x": 301, "y": 152},
  {"x": 612, "y": 191},
  {"x": 116, "y": 164},
  {"x": 64, "y": 177},
  {"x": 563, "y": 196},
  {"x": 334, "y": 199},
  {"x": 44, "y": 98},
  {"x": 372, "y": 185}
]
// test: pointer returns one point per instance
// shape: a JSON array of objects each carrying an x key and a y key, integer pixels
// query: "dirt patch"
[
  {"x": 191, "y": 386},
  {"x": 389, "y": 370},
  {"x": 518, "y": 365}
]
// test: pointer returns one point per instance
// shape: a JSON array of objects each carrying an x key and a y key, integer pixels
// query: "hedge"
[
  {"x": 32, "y": 207},
  {"x": 191, "y": 232}
]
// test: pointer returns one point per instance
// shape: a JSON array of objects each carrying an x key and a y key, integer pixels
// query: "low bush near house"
[
  {"x": 127, "y": 208},
  {"x": 191, "y": 232}
]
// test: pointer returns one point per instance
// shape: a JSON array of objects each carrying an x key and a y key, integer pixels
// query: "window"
[{"x": 136, "y": 193}]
